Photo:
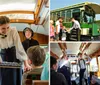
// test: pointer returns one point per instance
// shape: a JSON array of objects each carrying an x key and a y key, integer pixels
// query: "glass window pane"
[
  {"x": 63, "y": 14},
  {"x": 20, "y": 16},
  {"x": 58, "y": 14},
  {"x": 68, "y": 15}
]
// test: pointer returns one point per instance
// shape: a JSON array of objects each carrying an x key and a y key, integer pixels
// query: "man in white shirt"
[
  {"x": 76, "y": 27},
  {"x": 82, "y": 65},
  {"x": 58, "y": 28},
  {"x": 76, "y": 24},
  {"x": 64, "y": 67}
]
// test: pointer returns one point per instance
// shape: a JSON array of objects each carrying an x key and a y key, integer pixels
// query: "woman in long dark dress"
[
  {"x": 28, "y": 33},
  {"x": 11, "y": 51}
]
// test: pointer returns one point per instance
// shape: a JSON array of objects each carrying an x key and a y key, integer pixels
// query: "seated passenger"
[
  {"x": 95, "y": 80},
  {"x": 28, "y": 33},
  {"x": 55, "y": 77},
  {"x": 36, "y": 56}
]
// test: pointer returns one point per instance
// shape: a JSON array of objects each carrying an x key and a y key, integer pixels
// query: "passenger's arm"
[{"x": 72, "y": 27}]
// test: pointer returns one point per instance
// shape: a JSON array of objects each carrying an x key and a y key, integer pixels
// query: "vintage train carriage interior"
[{"x": 91, "y": 49}]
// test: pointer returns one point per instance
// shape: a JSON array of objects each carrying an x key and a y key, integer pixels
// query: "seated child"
[{"x": 36, "y": 56}]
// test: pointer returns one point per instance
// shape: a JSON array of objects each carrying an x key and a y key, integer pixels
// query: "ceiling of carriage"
[
  {"x": 35, "y": 12},
  {"x": 73, "y": 48},
  {"x": 92, "y": 48}
]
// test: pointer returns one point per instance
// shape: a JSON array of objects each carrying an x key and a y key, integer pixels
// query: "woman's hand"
[{"x": 27, "y": 67}]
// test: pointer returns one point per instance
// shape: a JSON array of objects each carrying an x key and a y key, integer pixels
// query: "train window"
[
  {"x": 76, "y": 10},
  {"x": 54, "y": 16},
  {"x": 88, "y": 18},
  {"x": 89, "y": 14},
  {"x": 19, "y": 16},
  {"x": 68, "y": 15},
  {"x": 63, "y": 14},
  {"x": 58, "y": 14},
  {"x": 50, "y": 15},
  {"x": 76, "y": 14}
]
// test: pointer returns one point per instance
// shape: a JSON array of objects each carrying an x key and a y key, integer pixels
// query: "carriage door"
[{"x": 76, "y": 14}]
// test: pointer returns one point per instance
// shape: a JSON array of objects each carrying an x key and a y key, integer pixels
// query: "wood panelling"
[
  {"x": 97, "y": 53},
  {"x": 53, "y": 55},
  {"x": 17, "y": 11},
  {"x": 37, "y": 11},
  {"x": 21, "y": 36},
  {"x": 98, "y": 73},
  {"x": 39, "y": 82},
  {"x": 38, "y": 7},
  {"x": 42, "y": 39},
  {"x": 21, "y": 21}
]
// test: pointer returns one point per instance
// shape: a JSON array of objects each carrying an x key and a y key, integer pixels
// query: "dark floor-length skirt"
[{"x": 10, "y": 76}]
